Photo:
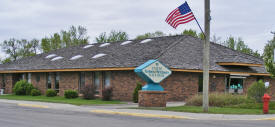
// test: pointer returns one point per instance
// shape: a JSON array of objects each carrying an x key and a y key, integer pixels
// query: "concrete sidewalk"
[{"x": 122, "y": 110}]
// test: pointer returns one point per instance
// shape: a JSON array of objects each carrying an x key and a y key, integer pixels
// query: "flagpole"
[{"x": 197, "y": 21}]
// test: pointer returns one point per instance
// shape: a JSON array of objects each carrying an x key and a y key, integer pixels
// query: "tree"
[
  {"x": 268, "y": 56},
  {"x": 11, "y": 47},
  {"x": 74, "y": 36},
  {"x": 239, "y": 45},
  {"x": 17, "y": 49},
  {"x": 193, "y": 33},
  {"x": 112, "y": 37},
  {"x": 151, "y": 35}
]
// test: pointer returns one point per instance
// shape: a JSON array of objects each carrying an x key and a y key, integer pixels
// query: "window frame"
[
  {"x": 48, "y": 78},
  {"x": 57, "y": 82},
  {"x": 81, "y": 81}
]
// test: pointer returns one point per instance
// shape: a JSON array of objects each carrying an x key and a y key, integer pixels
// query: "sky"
[{"x": 252, "y": 20}]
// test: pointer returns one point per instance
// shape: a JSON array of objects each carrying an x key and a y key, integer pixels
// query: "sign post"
[{"x": 152, "y": 94}]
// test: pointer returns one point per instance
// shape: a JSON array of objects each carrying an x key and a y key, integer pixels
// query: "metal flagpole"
[
  {"x": 197, "y": 21},
  {"x": 206, "y": 53}
]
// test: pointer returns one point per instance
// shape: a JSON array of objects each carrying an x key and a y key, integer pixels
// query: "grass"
[{"x": 58, "y": 99}]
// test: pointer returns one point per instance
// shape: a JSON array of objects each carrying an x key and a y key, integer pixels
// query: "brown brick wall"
[
  {"x": 152, "y": 98},
  {"x": 217, "y": 83},
  {"x": 9, "y": 83},
  {"x": 40, "y": 84},
  {"x": 68, "y": 80}
]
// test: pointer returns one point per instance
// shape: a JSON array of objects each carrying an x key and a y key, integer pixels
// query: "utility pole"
[{"x": 206, "y": 55}]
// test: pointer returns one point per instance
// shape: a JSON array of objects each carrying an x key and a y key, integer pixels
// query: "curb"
[
  {"x": 32, "y": 105},
  {"x": 140, "y": 114}
]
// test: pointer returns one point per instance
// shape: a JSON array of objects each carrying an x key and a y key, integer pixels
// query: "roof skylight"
[
  {"x": 87, "y": 46},
  {"x": 57, "y": 58},
  {"x": 146, "y": 40},
  {"x": 125, "y": 42},
  {"x": 105, "y": 44},
  {"x": 76, "y": 57},
  {"x": 50, "y": 56},
  {"x": 98, "y": 55}
]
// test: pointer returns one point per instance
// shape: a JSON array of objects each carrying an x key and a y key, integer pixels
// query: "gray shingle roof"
[{"x": 180, "y": 52}]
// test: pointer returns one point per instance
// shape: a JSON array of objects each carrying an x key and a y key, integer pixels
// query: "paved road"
[{"x": 12, "y": 115}]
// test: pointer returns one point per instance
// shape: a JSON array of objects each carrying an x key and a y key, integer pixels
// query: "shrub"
[
  {"x": 51, "y": 93},
  {"x": 70, "y": 94},
  {"x": 22, "y": 87},
  {"x": 256, "y": 91},
  {"x": 35, "y": 92},
  {"x": 135, "y": 94},
  {"x": 107, "y": 94},
  {"x": 88, "y": 92},
  {"x": 219, "y": 100}
]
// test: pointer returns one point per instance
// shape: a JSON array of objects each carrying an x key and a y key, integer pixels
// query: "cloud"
[{"x": 29, "y": 19}]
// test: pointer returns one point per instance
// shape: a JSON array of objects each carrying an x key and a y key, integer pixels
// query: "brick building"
[{"x": 112, "y": 64}]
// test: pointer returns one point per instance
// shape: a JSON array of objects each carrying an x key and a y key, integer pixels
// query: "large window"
[
  {"x": 235, "y": 84},
  {"x": 49, "y": 82},
  {"x": 81, "y": 81},
  {"x": 56, "y": 83},
  {"x": 107, "y": 76},
  {"x": 97, "y": 76}
]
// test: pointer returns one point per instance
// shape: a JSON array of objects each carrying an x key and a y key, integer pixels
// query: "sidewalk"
[{"x": 122, "y": 110}]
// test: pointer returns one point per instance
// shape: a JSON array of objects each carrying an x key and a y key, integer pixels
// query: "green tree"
[
  {"x": 268, "y": 56},
  {"x": 239, "y": 45},
  {"x": 74, "y": 36},
  {"x": 17, "y": 49},
  {"x": 151, "y": 35},
  {"x": 112, "y": 37},
  {"x": 193, "y": 33}
]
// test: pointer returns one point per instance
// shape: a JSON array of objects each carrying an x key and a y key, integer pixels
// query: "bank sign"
[{"x": 153, "y": 71}]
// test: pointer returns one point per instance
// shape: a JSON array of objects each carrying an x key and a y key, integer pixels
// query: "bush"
[
  {"x": 107, "y": 94},
  {"x": 69, "y": 94},
  {"x": 257, "y": 91},
  {"x": 88, "y": 92},
  {"x": 51, "y": 93},
  {"x": 35, "y": 92},
  {"x": 135, "y": 94},
  {"x": 22, "y": 87},
  {"x": 219, "y": 100}
]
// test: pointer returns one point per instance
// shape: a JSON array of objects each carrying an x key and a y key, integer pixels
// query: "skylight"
[
  {"x": 105, "y": 44},
  {"x": 50, "y": 56},
  {"x": 125, "y": 43},
  {"x": 57, "y": 58},
  {"x": 87, "y": 46},
  {"x": 76, "y": 57},
  {"x": 146, "y": 40},
  {"x": 98, "y": 55}
]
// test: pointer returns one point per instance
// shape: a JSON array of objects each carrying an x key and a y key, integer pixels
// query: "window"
[
  {"x": 235, "y": 84},
  {"x": 200, "y": 83},
  {"x": 107, "y": 76},
  {"x": 29, "y": 77},
  {"x": 97, "y": 76},
  {"x": 3, "y": 81},
  {"x": 81, "y": 81},
  {"x": 37, "y": 77},
  {"x": 56, "y": 83},
  {"x": 49, "y": 82}
]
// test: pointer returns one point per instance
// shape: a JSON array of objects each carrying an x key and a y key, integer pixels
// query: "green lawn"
[
  {"x": 58, "y": 99},
  {"x": 217, "y": 110}
]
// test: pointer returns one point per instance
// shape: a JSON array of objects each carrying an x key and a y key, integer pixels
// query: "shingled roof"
[{"x": 177, "y": 52}]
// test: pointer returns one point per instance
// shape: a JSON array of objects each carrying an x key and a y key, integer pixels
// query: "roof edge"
[
  {"x": 131, "y": 69},
  {"x": 239, "y": 64}
]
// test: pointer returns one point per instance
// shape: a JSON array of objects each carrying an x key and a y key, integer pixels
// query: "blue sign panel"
[{"x": 153, "y": 72}]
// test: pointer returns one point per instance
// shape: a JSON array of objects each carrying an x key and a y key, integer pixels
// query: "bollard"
[{"x": 266, "y": 99}]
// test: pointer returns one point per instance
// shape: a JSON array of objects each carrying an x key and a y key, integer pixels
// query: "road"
[{"x": 12, "y": 115}]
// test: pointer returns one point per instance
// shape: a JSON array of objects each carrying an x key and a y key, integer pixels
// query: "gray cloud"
[{"x": 250, "y": 19}]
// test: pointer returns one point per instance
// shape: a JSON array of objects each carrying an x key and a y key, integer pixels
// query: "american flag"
[{"x": 180, "y": 15}]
